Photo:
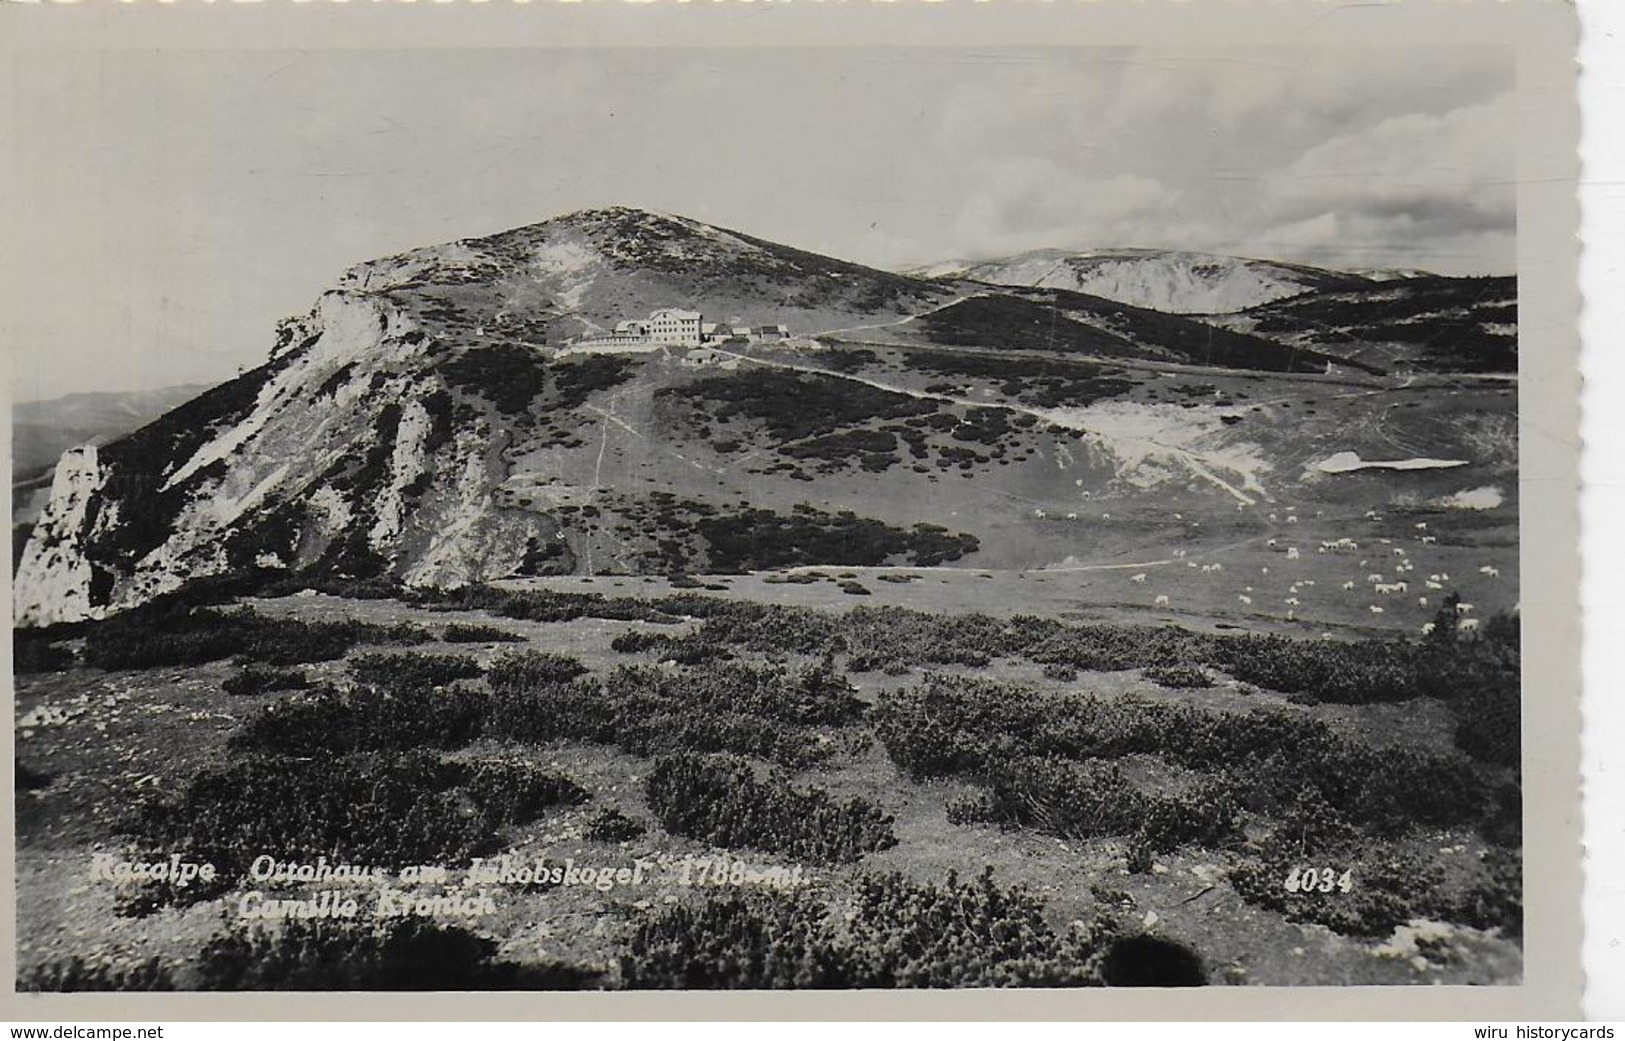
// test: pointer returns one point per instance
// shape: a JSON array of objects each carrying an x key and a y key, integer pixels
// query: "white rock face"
[
  {"x": 283, "y": 481},
  {"x": 53, "y": 577}
]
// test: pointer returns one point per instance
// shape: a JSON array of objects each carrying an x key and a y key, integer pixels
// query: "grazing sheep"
[
  {"x": 1402, "y": 587},
  {"x": 1291, "y": 601},
  {"x": 1270, "y": 543},
  {"x": 1179, "y": 553},
  {"x": 1467, "y": 625},
  {"x": 1421, "y": 601},
  {"x": 1375, "y": 609},
  {"x": 1072, "y": 516},
  {"x": 1386, "y": 542},
  {"x": 1292, "y": 553},
  {"x": 1490, "y": 571},
  {"x": 1244, "y": 598},
  {"x": 1428, "y": 540},
  {"x": 1399, "y": 551},
  {"x": 1371, "y": 515},
  {"x": 1428, "y": 628},
  {"x": 1137, "y": 578},
  {"x": 1348, "y": 585},
  {"x": 1434, "y": 585},
  {"x": 1306, "y": 581},
  {"x": 1265, "y": 570},
  {"x": 1292, "y": 518},
  {"x": 1160, "y": 601},
  {"x": 1464, "y": 609},
  {"x": 1420, "y": 526},
  {"x": 1373, "y": 577}
]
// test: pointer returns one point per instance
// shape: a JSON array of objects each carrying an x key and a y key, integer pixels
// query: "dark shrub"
[
  {"x": 718, "y": 800},
  {"x": 255, "y": 679},
  {"x": 390, "y": 812},
  {"x": 395, "y": 672},
  {"x": 533, "y": 668},
  {"x": 897, "y": 934},
  {"x": 28, "y": 779},
  {"x": 611, "y": 825},
  {"x": 171, "y": 634},
  {"x": 407, "y": 955},
  {"x": 365, "y": 719},
  {"x": 765, "y": 712},
  {"x": 480, "y": 634},
  {"x": 33, "y": 652},
  {"x": 1092, "y": 798},
  {"x": 513, "y": 793},
  {"x": 77, "y": 974}
]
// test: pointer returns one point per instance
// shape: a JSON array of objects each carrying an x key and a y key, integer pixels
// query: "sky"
[{"x": 174, "y": 205}]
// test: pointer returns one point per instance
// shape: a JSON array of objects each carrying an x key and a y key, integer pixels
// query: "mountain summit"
[{"x": 1175, "y": 281}]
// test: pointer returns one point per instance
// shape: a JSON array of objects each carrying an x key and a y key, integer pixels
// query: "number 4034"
[{"x": 1318, "y": 880}]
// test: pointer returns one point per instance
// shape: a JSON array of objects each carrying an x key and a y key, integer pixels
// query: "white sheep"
[
  {"x": 1292, "y": 518},
  {"x": 1270, "y": 543},
  {"x": 1399, "y": 551},
  {"x": 1244, "y": 598},
  {"x": 1462, "y": 609},
  {"x": 1434, "y": 585},
  {"x": 1375, "y": 609},
  {"x": 1427, "y": 628},
  {"x": 1373, "y": 577},
  {"x": 1401, "y": 587},
  {"x": 1421, "y": 601},
  {"x": 1421, "y": 526},
  {"x": 1428, "y": 540},
  {"x": 1160, "y": 601},
  {"x": 1348, "y": 585},
  {"x": 1292, "y": 553},
  {"x": 1137, "y": 578},
  {"x": 1292, "y": 601},
  {"x": 1490, "y": 571},
  {"x": 1467, "y": 625}
]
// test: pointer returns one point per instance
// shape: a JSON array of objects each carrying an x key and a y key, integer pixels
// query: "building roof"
[{"x": 674, "y": 312}]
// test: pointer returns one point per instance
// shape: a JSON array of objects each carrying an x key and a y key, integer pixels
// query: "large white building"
[{"x": 679, "y": 328}]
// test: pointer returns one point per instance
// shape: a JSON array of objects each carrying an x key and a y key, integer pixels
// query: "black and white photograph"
[{"x": 768, "y": 518}]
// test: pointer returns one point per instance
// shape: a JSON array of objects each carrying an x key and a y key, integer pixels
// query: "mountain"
[
  {"x": 1174, "y": 281},
  {"x": 1424, "y": 323},
  {"x": 433, "y": 421}
]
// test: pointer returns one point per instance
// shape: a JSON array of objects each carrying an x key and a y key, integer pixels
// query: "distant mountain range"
[
  {"x": 1175, "y": 281},
  {"x": 432, "y": 420}
]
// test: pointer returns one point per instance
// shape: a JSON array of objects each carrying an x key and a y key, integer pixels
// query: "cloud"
[
  {"x": 1452, "y": 170},
  {"x": 1025, "y": 203}
]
